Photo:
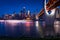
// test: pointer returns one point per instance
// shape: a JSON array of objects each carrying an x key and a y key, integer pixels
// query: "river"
[{"x": 22, "y": 28}]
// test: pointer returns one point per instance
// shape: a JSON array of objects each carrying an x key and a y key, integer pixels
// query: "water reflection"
[
  {"x": 28, "y": 24},
  {"x": 24, "y": 28},
  {"x": 20, "y": 28},
  {"x": 39, "y": 28}
]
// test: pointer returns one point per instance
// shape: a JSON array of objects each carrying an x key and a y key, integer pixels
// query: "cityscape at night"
[
  {"x": 23, "y": 15},
  {"x": 29, "y": 19}
]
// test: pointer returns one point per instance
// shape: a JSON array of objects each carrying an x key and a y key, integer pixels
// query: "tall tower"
[
  {"x": 24, "y": 10},
  {"x": 28, "y": 15},
  {"x": 23, "y": 13}
]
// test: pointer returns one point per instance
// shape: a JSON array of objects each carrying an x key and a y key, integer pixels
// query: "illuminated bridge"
[
  {"x": 50, "y": 5},
  {"x": 50, "y": 21}
]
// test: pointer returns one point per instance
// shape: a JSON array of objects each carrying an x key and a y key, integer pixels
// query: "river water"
[{"x": 22, "y": 28}]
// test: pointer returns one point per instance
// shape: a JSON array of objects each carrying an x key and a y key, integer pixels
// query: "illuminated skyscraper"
[
  {"x": 23, "y": 13},
  {"x": 28, "y": 15},
  {"x": 6, "y": 16}
]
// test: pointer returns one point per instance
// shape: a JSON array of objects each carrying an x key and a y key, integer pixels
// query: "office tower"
[
  {"x": 28, "y": 15},
  {"x": 6, "y": 16},
  {"x": 23, "y": 13},
  {"x": 34, "y": 17}
]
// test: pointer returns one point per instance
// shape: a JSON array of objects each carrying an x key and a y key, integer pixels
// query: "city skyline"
[{"x": 9, "y": 6}]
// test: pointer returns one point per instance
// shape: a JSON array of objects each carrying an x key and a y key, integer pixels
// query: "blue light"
[{"x": 49, "y": 12}]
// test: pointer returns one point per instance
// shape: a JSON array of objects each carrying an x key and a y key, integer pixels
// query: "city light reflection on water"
[
  {"x": 24, "y": 28},
  {"x": 19, "y": 28},
  {"x": 39, "y": 28},
  {"x": 14, "y": 22}
]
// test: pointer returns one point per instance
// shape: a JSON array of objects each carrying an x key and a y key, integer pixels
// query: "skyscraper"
[
  {"x": 28, "y": 15},
  {"x": 23, "y": 12}
]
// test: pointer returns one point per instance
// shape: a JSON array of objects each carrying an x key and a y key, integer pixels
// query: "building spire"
[{"x": 28, "y": 12}]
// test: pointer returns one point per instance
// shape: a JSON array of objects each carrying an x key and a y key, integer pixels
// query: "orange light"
[{"x": 27, "y": 24}]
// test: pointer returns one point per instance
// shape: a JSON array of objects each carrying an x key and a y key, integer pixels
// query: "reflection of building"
[
  {"x": 23, "y": 13},
  {"x": 39, "y": 28}
]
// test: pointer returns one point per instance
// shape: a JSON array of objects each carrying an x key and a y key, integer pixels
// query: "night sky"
[{"x": 9, "y": 6}]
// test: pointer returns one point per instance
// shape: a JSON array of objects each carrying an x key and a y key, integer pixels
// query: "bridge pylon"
[{"x": 37, "y": 18}]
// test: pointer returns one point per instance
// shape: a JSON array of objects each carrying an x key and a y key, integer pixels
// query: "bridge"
[{"x": 50, "y": 5}]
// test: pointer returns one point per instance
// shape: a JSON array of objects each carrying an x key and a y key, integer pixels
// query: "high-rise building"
[
  {"x": 23, "y": 13},
  {"x": 34, "y": 17},
  {"x": 6, "y": 16},
  {"x": 28, "y": 15}
]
